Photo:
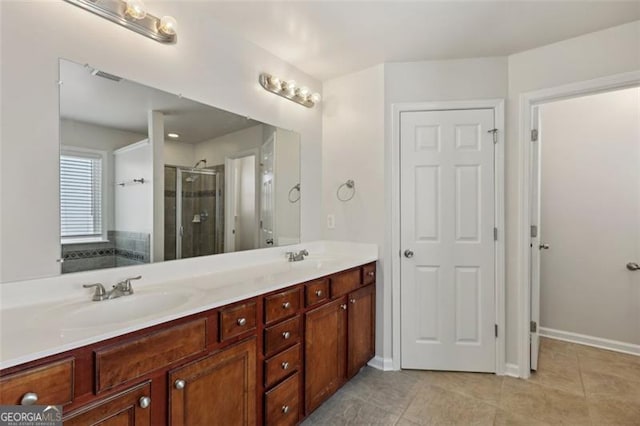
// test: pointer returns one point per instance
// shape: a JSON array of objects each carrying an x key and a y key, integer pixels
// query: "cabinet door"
[
  {"x": 325, "y": 349},
  {"x": 128, "y": 408},
  {"x": 361, "y": 324},
  {"x": 217, "y": 390}
]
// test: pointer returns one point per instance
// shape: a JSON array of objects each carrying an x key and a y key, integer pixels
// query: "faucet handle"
[
  {"x": 304, "y": 252},
  {"x": 125, "y": 285},
  {"x": 99, "y": 294}
]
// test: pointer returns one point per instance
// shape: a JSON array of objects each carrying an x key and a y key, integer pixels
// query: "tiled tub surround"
[
  {"x": 32, "y": 314},
  {"x": 121, "y": 249}
]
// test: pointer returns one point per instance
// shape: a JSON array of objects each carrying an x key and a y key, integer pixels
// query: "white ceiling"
[
  {"x": 124, "y": 105},
  {"x": 331, "y": 38}
]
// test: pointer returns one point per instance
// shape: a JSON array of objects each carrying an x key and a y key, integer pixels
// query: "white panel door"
[
  {"x": 447, "y": 239},
  {"x": 267, "y": 194}
]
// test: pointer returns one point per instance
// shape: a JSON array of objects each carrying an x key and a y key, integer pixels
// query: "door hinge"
[
  {"x": 495, "y": 134},
  {"x": 533, "y": 327},
  {"x": 534, "y": 231},
  {"x": 534, "y": 135},
  {"x": 495, "y": 234},
  {"x": 495, "y": 327}
]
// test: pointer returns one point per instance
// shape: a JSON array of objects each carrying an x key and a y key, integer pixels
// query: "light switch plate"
[{"x": 331, "y": 221}]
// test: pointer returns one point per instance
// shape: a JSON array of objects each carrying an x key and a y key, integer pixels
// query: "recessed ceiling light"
[{"x": 173, "y": 135}]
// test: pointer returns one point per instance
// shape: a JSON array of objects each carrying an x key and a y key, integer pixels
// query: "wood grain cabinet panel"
[
  {"x": 316, "y": 291},
  {"x": 281, "y": 365},
  {"x": 282, "y": 407},
  {"x": 52, "y": 383},
  {"x": 361, "y": 319},
  {"x": 219, "y": 389},
  {"x": 126, "y": 408},
  {"x": 237, "y": 320},
  {"x": 369, "y": 274},
  {"x": 345, "y": 282},
  {"x": 281, "y": 305},
  {"x": 282, "y": 335},
  {"x": 132, "y": 359},
  {"x": 325, "y": 352}
]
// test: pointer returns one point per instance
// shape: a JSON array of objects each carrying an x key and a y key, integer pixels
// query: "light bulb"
[
  {"x": 173, "y": 135},
  {"x": 290, "y": 87},
  {"x": 136, "y": 9},
  {"x": 303, "y": 92},
  {"x": 315, "y": 98},
  {"x": 274, "y": 82},
  {"x": 168, "y": 25}
]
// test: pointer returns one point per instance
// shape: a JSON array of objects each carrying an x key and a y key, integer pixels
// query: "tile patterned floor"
[{"x": 575, "y": 385}]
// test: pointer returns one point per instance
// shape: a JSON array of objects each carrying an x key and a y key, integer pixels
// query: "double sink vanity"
[{"x": 258, "y": 339}]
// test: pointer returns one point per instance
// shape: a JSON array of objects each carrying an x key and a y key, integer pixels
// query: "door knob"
[
  {"x": 408, "y": 254},
  {"x": 543, "y": 246},
  {"x": 633, "y": 266}
]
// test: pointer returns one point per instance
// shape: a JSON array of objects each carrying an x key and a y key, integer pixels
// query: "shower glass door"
[{"x": 197, "y": 213}]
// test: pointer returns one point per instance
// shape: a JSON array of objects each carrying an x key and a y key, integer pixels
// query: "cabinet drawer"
[
  {"x": 369, "y": 274},
  {"x": 281, "y": 365},
  {"x": 345, "y": 282},
  {"x": 282, "y": 406},
  {"x": 52, "y": 384},
  {"x": 316, "y": 291},
  {"x": 281, "y": 336},
  {"x": 132, "y": 359},
  {"x": 281, "y": 305},
  {"x": 237, "y": 320}
]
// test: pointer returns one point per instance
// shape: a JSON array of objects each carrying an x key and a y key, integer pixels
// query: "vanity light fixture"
[
  {"x": 132, "y": 14},
  {"x": 289, "y": 90}
]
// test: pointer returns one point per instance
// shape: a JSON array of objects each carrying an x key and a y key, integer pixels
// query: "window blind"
[{"x": 80, "y": 194}]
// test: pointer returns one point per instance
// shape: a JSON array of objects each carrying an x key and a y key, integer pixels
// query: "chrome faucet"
[
  {"x": 123, "y": 288},
  {"x": 296, "y": 257}
]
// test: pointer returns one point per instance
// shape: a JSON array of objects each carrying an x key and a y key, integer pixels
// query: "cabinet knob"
[
  {"x": 344, "y": 306},
  {"x": 286, "y": 305},
  {"x": 371, "y": 273},
  {"x": 29, "y": 398},
  {"x": 179, "y": 384},
  {"x": 144, "y": 402},
  {"x": 353, "y": 301},
  {"x": 285, "y": 409},
  {"x": 285, "y": 365},
  {"x": 286, "y": 335},
  {"x": 242, "y": 321},
  {"x": 318, "y": 293}
]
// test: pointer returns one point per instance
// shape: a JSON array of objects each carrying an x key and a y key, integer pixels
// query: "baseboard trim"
[
  {"x": 598, "y": 342},
  {"x": 379, "y": 363},
  {"x": 511, "y": 370}
]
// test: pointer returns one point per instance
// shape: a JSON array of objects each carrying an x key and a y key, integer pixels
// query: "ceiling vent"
[{"x": 105, "y": 75}]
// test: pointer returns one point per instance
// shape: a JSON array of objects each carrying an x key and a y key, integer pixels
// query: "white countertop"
[{"x": 30, "y": 331}]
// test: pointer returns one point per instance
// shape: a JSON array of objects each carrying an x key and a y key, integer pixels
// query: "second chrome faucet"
[{"x": 123, "y": 288}]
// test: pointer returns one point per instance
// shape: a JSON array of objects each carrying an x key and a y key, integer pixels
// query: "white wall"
[
  {"x": 590, "y": 215},
  {"x": 179, "y": 154},
  {"x": 134, "y": 202},
  {"x": 208, "y": 64},
  {"x": 608, "y": 52},
  {"x": 217, "y": 149},
  {"x": 85, "y": 135},
  {"x": 287, "y": 175}
]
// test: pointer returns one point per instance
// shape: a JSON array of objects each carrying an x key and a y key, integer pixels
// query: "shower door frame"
[{"x": 179, "y": 226}]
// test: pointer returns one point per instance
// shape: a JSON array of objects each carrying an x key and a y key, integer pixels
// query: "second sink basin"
[{"x": 90, "y": 314}]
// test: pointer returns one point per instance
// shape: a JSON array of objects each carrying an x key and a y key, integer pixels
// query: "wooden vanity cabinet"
[{"x": 361, "y": 329}]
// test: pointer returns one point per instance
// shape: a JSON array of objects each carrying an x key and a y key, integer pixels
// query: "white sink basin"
[
  {"x": 316, "y": 262},
  {"x": 80, "y": 315}
]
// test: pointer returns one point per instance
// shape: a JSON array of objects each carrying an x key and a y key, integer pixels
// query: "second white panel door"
[{"x": 447, "y": 240}]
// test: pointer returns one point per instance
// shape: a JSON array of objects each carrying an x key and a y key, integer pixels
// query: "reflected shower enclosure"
[{"x": 194, "y": 207}]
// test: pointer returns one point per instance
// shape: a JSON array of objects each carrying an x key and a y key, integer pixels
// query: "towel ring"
[
  {"x": 296, "y": 187},
  {"x": 349, "y": 185}
]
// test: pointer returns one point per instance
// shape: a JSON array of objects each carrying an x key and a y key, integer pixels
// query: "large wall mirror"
[{"x": 148, "y": 176}]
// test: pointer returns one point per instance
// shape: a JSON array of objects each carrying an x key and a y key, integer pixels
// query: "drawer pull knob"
[
  {"x": 179, "y": 384},
  {"x": 318, "y": 293},
  {"x": 242, "y": 321},
  {"x": 29, "y": 398},
  {"x": 344, "y": 306},
  {"x": 285, "y": 365},
  {"x": 286, "y": 335},
  {"x": 353, "y": 301},
  {"x": 144, "y": 402},
  {"x": 371, "y": 273},
  {"x": 285, "y": 409},
  {"x": 286, "y": 305}
]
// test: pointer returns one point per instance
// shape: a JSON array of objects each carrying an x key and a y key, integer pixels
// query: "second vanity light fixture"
[
  {"x": 132, "y": 14},
  {"x": 289, "y": 90}
]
